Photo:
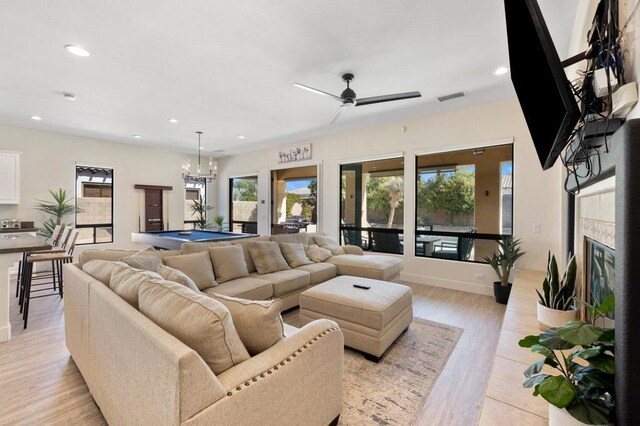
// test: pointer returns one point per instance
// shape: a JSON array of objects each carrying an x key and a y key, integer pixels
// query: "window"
[
  {"x": 243, "y": 204},
  {"x": 94, "y": 204},
  {"x": 463, "y": 202},
  {"x": 372, "y": 205},
  {"x": 294, "y": 200},
  {"x": 193, "y": 192}
]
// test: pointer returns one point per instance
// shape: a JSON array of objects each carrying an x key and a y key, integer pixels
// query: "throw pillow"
[
  {"x": 258, "y": 322},
  {"x": 329, "y": 244},
  {"x": 228, "y": 263},
  {"x": 101, "y": 270},
  {"x": 317, "y": 254},
  {"x": 167, "y": 253},
  {"x": 199, "y": 321},
  {"x": 294, "y": 254},
  {"x": 244, "y": 243},
  {"x": 197, "y": 266},
  {"x": 125, "y": 282},
  {"x": 267, "y": 257},
  {"x": 147, "y": 260},
  {"x": 103, "y": 254},
  {"x": 177, "y": 276}
]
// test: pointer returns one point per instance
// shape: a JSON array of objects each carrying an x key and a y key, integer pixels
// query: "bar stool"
[
  {"x": 57, "y": 259},
  {"x": 57, "y": 240}
]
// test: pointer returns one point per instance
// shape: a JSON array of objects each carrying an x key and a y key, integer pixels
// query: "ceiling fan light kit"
[{"x": 349, "y": 99}]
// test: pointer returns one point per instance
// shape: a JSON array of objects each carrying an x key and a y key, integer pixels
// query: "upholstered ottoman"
[{"x": 370, "y": 320}]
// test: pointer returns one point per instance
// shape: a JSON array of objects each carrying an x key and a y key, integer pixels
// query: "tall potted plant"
[
  {"x": 557, "y": 305},
  {"x": 200, "y": 209},
  {"x": 61, "y": 206},
  {"x": 502, "y": 261},
  {"x": 584, "y": 391}
]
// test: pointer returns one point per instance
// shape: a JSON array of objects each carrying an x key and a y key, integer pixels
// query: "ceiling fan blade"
[
  {"x": 337, "y": 114},
  {"x": 387, "y": 98},
  {"x": 319, "y": 92}
]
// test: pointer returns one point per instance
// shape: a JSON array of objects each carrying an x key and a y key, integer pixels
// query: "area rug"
[{"x": 393, "y": 391}]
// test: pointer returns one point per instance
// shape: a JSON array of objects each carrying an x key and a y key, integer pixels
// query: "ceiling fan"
[{"x": 348, "y": 97}]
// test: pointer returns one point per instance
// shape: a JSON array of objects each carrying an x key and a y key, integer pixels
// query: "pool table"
[{"x": 172, "y": 240}]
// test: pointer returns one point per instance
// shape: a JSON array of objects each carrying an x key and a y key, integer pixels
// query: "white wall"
[
  {"x": 48, "y": 162},
  {"x": 537, "y": 195}
]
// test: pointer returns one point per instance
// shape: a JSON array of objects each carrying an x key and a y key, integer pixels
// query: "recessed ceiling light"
[
  {"x": 136, "y": 136},
  {"x": 77, "y": 50},
  {"x": 173, "y": 120},
  {"x": 36, "y": 117},
  {"x": 501, "y": 71},
  {"x": 69, "y": 96},
  {"x": 242, "y": 137}
]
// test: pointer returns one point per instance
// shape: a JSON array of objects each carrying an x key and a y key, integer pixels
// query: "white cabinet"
[{"x": 9, "y": 177}]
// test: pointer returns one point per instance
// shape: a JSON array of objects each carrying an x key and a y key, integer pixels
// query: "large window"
[
  {"x": 463, "y": 202},
  {"x": 294, "y": 199},
  {"x": 243, "y": 204},
  {"x": 372, "y": 205},
  {"x": 94, "y": 204}
]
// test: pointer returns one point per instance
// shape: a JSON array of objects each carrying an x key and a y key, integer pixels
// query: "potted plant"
[
  {"x": 57, "y": 209},
  {"x": 556, "y": 306},
  {"x": 584, "y": 391},
  {"x": 200, "y": 209},
  {"x": 502, "y": 262},
  {"x": 219, "y": 220}
]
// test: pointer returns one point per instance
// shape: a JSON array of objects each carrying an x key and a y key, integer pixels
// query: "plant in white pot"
[
  {"x": 557, "y": 305},
  {"x": 584, "y": 355},
  {"x": 502, "y": 262}
]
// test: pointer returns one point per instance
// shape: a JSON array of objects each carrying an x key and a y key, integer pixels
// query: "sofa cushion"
[
  {"x": 102, "y": 254},
  {"x": 228, "y": 263},
  {"x": 197, "y": 266},
  {"x": 247, "y": 288},
  {"x": 300, "y": 237},
  {"x": 369, "y": 266},
  {"x": 177, "y": 276},
  {"x": 200, "y": 322},
  {"x": 259, "y": 323},
  {"x": 285, "y": 282},
  {"x": 167, "y": 253},
  {"x": 317, "y": 253},
  {"x": 244, "y": 243},
  {"x": 190, "y": 248},
  {"x": 329, "y": 244},
  {"x": 148, "y": 260},
  {"x": 101, "y": 270},
  {"x": 267, "y": 257},
  {"x": 294, "y": 254},
  {"x": 319, "y": 272},
  {"x": 126, "y": 281}
]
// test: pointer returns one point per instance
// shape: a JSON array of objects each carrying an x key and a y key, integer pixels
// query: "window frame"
[
  {"x": 230, "y": 212},
  {"x": 113, "y": 198}
]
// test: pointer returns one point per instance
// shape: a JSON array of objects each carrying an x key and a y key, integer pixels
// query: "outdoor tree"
[
  {"x": 245, "y": 190},
  {"x": 453, "y": 193},
  {"x": 385, "y": 196}
]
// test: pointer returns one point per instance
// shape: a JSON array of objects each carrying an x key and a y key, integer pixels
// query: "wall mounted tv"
[{"x": 544, "y": 93}]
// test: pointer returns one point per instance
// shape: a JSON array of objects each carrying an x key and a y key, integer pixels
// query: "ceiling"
[{"x": 228, "y": 68}]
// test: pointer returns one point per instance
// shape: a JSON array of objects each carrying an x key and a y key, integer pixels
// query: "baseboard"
[
  {"x": 5, "y": 333},
  {"x": 450, "y": 284}
]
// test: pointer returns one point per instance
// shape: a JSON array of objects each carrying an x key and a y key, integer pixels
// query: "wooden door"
[{"x": 153, "y": 210}]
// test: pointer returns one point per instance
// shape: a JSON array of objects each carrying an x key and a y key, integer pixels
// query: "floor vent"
[{"x": 450, "y": 96}]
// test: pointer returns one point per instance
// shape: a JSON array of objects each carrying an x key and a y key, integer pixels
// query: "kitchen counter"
[{"x": 11, "y": 248}]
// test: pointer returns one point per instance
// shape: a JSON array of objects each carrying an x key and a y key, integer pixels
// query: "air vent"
[{"x": 450, "y": 96}]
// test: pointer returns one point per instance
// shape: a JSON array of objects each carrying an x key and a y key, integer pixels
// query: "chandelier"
[{"x": 199, "y": 176}]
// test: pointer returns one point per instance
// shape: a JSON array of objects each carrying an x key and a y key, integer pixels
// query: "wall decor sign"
[{"x": 297, "y": 153}]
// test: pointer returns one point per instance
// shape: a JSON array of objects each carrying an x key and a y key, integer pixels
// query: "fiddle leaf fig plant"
[
  {"x": 559, "y": 294},
  {"x": 505, "y": 258}
]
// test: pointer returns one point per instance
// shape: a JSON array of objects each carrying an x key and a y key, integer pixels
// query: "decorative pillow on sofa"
[
  {"x": 267, "y": 257},
  {"x": 101, "y": 270},
  {"x": 148, "y": 260},
  {"x": 125, "y": 282},
  {"x": 177, "y": 276},
  {"x": 294, "y": 254},
  {"x": 196, "y": 266},
  {"x": 258, "y": 322},
  {"x": 200, "y": 322},
  {"x": 228, "y": 263},
  {"x": 167, "y": 253},
  {"x": 103, "y": 254},
  {"x": 329, "y": 244},
  {"x": 317, "y": 254},
  {"x": 244, "y": 243}
]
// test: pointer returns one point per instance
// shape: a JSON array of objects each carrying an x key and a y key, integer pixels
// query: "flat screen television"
[{"x": 543, "y": 90}]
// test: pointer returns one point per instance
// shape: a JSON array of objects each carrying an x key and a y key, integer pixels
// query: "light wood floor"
[{"x": 40, "y": 384}]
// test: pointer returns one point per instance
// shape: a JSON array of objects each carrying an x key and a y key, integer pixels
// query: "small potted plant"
[
  {"x": 584, "y": 391},
  {"x": 502, "y": 262},
  {"x": 219, "y": 220},
  {"x": 556, "y": 305}
]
